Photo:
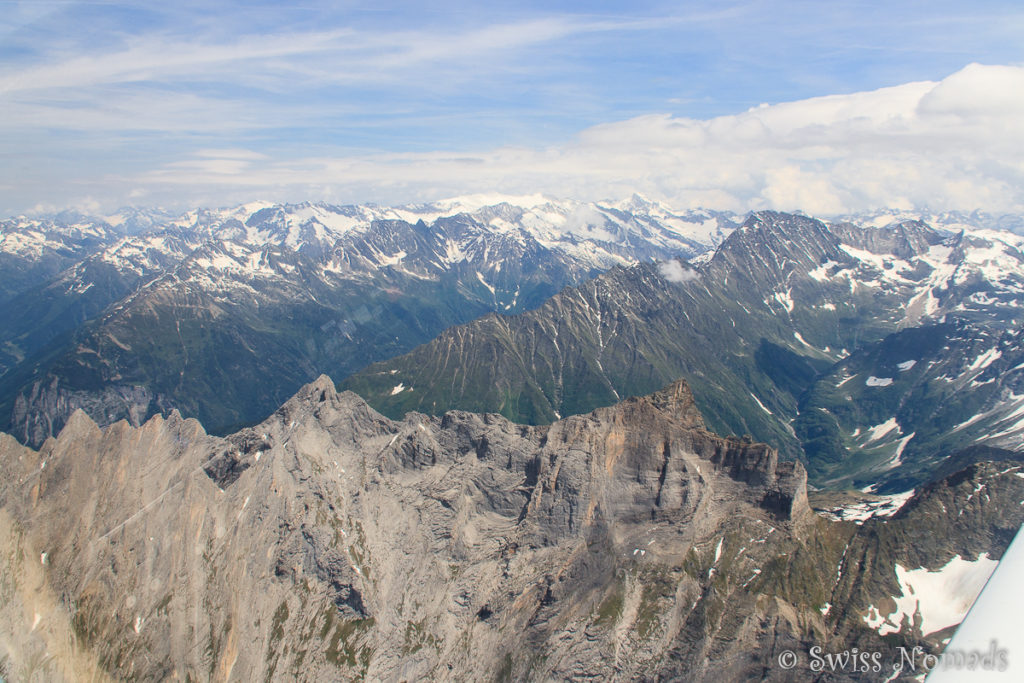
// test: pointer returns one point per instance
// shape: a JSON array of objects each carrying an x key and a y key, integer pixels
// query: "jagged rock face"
[
  {"x": 332, "y": 543},
  {"x": 45, "y": 407}
]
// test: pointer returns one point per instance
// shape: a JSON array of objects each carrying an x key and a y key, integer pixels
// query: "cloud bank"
[{"x": 953, "y": 144}]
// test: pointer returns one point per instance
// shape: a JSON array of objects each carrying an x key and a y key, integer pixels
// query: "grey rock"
[{"x": 331, "y": 543}]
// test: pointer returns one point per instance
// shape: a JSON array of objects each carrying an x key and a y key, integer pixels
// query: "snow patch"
[
  {"x": 897, "y": 458},
  {"x": 392, "y": 259},
  {"x": 883, "y": 506},
  {"x": 786, "y": 300},
  {"x": 968, "y": 422},
  {"x": 485, "y": 283},
  {"x": 934, "y": 599},
  {"x": 994, "y": 616},
  {"x": 802, "y": 340},
  {"x": 761, "y": 404},
  {"x": 873, "y": 381},
  {"x": 879, "y": 431},
  {"x": 844, "y": 381},
  {"x": 821, "y": 272},
  {"x": 986, "y": 359}
]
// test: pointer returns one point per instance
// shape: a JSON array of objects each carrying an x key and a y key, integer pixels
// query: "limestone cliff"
[{"x": 331, "y": 543}]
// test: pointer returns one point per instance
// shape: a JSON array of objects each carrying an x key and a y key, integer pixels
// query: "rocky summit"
[{"x": 331, "y": 543}]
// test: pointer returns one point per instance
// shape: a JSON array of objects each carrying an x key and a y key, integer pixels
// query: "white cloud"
[
  {"x": 241, "y": 154},
  {"x": 152, "y": 59},
  {"x": 978, "y": 92},
  {"x": 674, "y": 271},
  {"x": 791, "y": 186},
  {"x": 584, "y": 217}
]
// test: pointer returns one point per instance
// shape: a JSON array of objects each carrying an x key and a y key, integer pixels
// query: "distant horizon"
[{"x": 474, "y": 202}]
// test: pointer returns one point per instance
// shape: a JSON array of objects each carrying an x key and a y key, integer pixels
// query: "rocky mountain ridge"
[{"x": 331, "y": 542}]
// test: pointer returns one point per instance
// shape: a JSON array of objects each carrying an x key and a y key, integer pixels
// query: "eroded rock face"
[
  {"x": 44, "y": 408},
  {"x": 332, "y": 543}
]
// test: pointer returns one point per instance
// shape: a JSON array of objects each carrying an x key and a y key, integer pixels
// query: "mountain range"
[
  {"x": 573, "y": 441},
  {"x": 224, "y": 314},
  {"x": 870, "y": 353}
]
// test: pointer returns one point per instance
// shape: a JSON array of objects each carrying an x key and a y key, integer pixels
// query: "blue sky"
[{"x": 106, "y": 103}]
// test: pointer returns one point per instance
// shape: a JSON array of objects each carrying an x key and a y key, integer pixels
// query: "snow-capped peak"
[{"x": 474, "y": 202}]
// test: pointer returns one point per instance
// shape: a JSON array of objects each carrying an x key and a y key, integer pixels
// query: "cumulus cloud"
[
  {"x": 977, "y": 92},
  {"x": 674, "y": 271}
]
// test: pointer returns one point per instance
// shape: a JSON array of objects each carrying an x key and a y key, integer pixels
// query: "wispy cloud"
[
  {"x": 340, "y": 56},
  {"x": 146, "y": 61},
  {"x": 345, "y": 77}
]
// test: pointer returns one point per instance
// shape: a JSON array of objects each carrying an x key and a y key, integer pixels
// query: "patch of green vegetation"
[
  {"x": 216, "y": 642},
  {"x": 309, "y": 634},
  {"x": 37, "y": 666},
  {"x": 345, "y": 650},
  {"x": 692, "y": 564},
  {"x": 611, "y": 608},
  {"x": 207, "y": 360},
  {"x": 300, "y": 656},
  {"x": 416, "y": 636},
  {"x": 714, "y": 609},
  {"x": 789, "y": 371},
  {"x": 538, "y": 659},
  {"x": 658, "y": 584},
  {"x": 358, "y": 550},
  {"x": 802, "y": 575},
  {"x": 277, "y": 627},
  {"x": 823, "y": 442},
  {"x": 329, "y": 612},
  {"x": 87, "y": 622},
  {"x": 504, "y": 672}
]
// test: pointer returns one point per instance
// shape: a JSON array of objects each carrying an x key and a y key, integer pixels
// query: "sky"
[{"x": 827, "y": 108}]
